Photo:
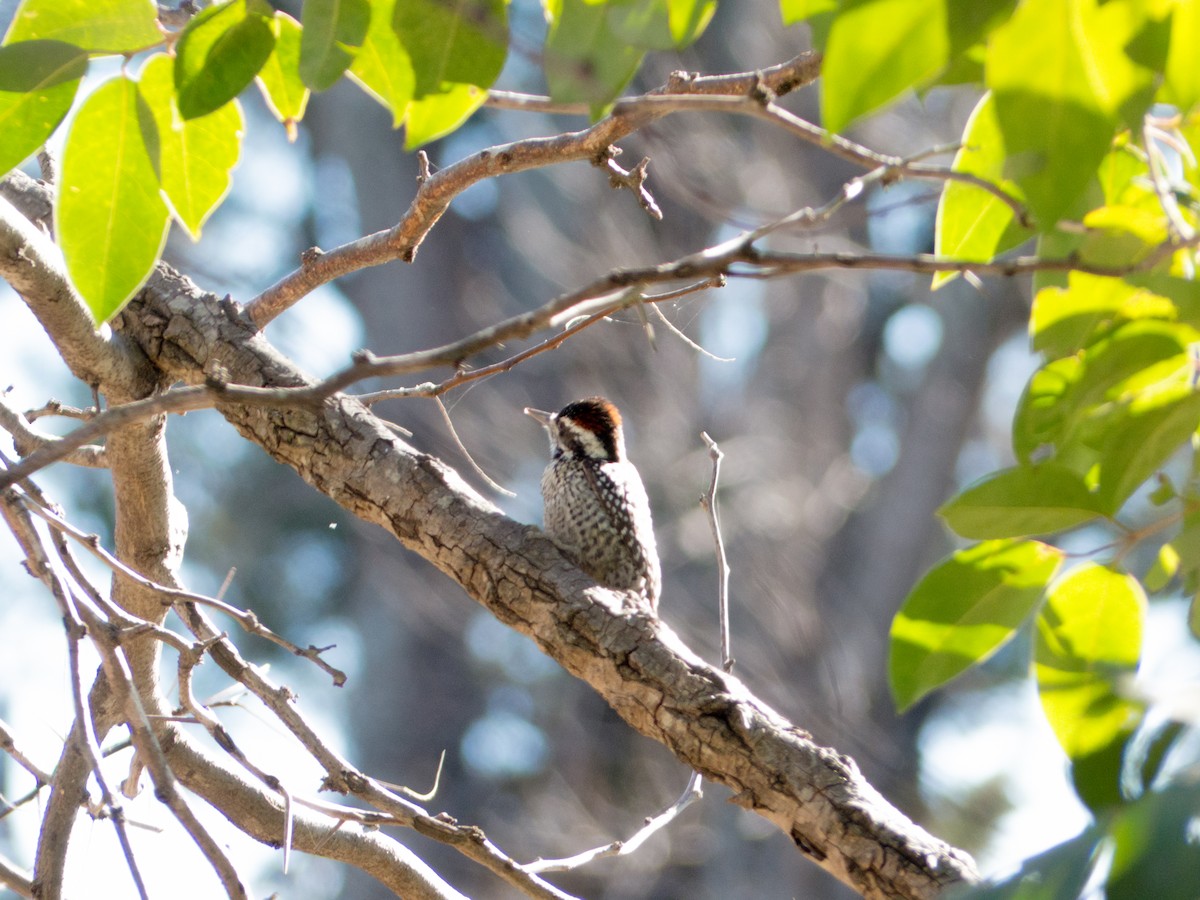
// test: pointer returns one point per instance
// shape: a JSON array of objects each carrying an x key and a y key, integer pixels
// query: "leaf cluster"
[
  {"x": 1087, "y": 126},
  {"x": 159, "y": 141}
]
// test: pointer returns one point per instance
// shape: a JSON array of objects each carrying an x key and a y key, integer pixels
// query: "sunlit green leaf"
[
  {"x": 973, "y": 223},
  {"x": 1122, "y": 236},
  {"x": 1021, "y": 501},
  {"x": 1091, "y": 399},
  {"x": 333, "y": 32},
  {"x": 98, "y": 26},
  {"x": 1089, "y": 637},
  {"x": 1166, "y": 564},
  {"x": 1065, "y": 320},
  {"x": 964, "y": 610},
  {"x": 196, "y": 156},
  {"x": 453, "y": 41},
  {"x": 111, "y": 220},
  {"x": 1182, "y": 84},
  {"x": 220, "y": 52},
  {"x": 382, "y": 65},
  {"x": 877, "y": 50},
  {"x": 435, "y": 115},
  {"x": 38, "y": 80},
  {"x": 794, "y": 11},
  {"x": 1062, "y": 82},
  {"x": 279, "y": 78},
  {"x": 660, "y": 24},
  {"x": 1157, "y": 425},
  {"x": 689, "y": 18}
]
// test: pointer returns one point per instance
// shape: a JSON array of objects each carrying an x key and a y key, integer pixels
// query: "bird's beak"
[{"x": 543, "y": 417}]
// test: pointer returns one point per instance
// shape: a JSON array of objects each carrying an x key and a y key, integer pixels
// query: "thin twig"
[
  {"x": 738, "y": 257},
  {"x": 247, "y": 619},
  {"x": 690, "y": 795},
  {"x": 467, "y": 453},
  {"x": 8, "y": 744},
  {"x": 428, "y": 795},
  {"x": 343, "y": 777},
  {"x": 40, "y": 565},
  {"x": 709, "y": 502},
  {"x": 27, "y": 439},
  {"x": 678, "y": 332}
]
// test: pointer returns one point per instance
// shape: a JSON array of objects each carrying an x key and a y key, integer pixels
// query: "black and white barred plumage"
[{"x": 596, "y": 506}]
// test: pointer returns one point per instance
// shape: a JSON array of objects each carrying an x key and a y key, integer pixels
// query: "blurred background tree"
[{"x": 850, "y": 405}]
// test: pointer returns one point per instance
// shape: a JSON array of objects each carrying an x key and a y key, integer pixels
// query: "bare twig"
[
  {"x": 15, "y": 878},
  {"x": 709, "y": 502},
  {"x": 8, "y": 744},
  {"x": 690, "y": 795},
  {"x": 28, "y": 439},
  {"x": 678, "y": 332},
  {"x": 39, "y": 564},
  {"x": 343, "y": 777},
  {"x": 427, "y": 795},
  {"x": 467, "y": 453},
  {"x": 737, "y": 258},
  {"x": 436, "y": 193},
  {"x": 632, "y": 179},
  {"x": 245, "y": 618},
  {"x": 56, "y": 408}
]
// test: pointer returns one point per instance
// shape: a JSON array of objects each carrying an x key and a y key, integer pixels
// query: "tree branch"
[
  {"x": 708, "y": 719},
  {"x": 435, "y": 193}
]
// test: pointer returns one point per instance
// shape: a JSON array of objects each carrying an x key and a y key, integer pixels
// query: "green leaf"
[
  {"x": 333, "y": 32},
  {"x": 111, "y": 220},
  {"x": 382, "y": 65},
  {"x": 279, "y": 78},
  {"x": 1096, "y": 776},
  {"x": 220, "y": 52},
  {"x": 196, "y": 156},
  {"x": 1019, "y": 502},
  {"x": 453, "y": 41},
  {"x": 436, "y": 115},
  {"x": 1122, "y": 236},
  {"x": 1058, "y": 873},
  {"x": 1182, "y": 84},
  {"x": 794, "y": 11},
  {"x": 1156, "y": 854},
  {"x": 38, "y": 80},
  {"x": 688, "y": 19},
  {"x": 972, "y": 223},
  {"x": 645, "y": 25},
  {"x": 98, "y": 26},
  {"x": 1063, "y": 82},
  {"x": 1085, "y": 401},
  {"x": 1089, "y": 638},
  {"x": 963, "y": 611},
  {"x": 586, "y": 60},
  {"x": 1184, "y": 547},
  {"x": 1166, "y": 564},
  {"x": 877, "y": 50},
  {"x": 661, "y": 24},
  {"x": 1065, "y": 320},
  {"x": 1158, "y": 425}
]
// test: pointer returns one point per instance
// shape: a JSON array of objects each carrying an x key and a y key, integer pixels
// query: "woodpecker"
[{"x": 596, "y": 506}]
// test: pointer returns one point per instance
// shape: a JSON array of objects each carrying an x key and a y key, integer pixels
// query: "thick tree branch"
[{"x": 709, "y": 720}]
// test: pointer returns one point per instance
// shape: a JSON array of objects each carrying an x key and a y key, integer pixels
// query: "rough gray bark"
[{"x": 708, "y": 719}]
